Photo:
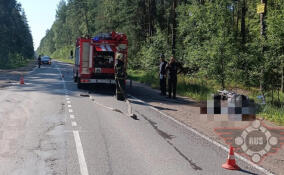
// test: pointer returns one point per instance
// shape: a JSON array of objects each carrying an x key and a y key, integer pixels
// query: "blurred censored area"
[{"x": 235, "y": 107}]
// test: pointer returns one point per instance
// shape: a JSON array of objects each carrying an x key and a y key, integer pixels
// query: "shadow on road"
[
  {"x": 101, "y": 89},
  {"x": 149, "y": 95},
  {"x": 247, "y": 172}
]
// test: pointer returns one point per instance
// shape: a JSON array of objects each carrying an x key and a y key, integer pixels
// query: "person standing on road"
[
  {"x": 120, "y": 76},
  {"x": 39, "y": 61},
  {"x": 163, "y": 72},
  {"x": 172, "y": 68}
]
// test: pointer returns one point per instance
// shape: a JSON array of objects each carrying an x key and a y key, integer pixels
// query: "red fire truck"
[{"x": 95, "y": 58}]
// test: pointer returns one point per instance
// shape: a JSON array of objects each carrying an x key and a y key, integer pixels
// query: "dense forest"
[
  {"x": 16, "y": 44},
  {"x": 227, "y": 40}
]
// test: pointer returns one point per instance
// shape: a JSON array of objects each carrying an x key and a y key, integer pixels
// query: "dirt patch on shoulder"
[{"x": 9, "y": 76}]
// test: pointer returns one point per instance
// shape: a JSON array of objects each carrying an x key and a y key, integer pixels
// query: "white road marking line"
[
  {"x": 69, "y": 102},
  {"x": 74, "y": 124},
  {"x": 72, "y": 116},
  {"x": 80, "y": 152},
  {"x": 207, "y": 138},
  {"x": 79, "y": 147},
  {"x": 102, "y": 104},
  {"x": 69, "y": 106}
]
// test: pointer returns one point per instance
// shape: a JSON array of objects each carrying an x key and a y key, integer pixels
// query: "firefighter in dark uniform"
[
  {"x": 120, "y": 76},
  {"x": 172, "y": 68},
  {"x": 162, "y": 75},
  {"x": 39, "y": 61}
]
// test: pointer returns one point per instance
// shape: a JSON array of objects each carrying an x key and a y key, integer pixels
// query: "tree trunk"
[
  {"x": 145, "y": 30},
  {"x": 272, "y": 96},
  {"x": 262, "y": 33},
  {"x": 243, "y": 22},
  {"x": 168, "y": 29},
  {"x": 174, "y": 28},
  {"x": 262, "y": 16},
  {"x": 149, "y": 18},
  {"x": 278, "y": 94},
  {"x": 282, "y": 79},
  {"x": 237, "y": 20}
]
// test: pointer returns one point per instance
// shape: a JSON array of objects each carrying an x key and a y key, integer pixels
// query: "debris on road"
[{"x": 84, "y": 95}]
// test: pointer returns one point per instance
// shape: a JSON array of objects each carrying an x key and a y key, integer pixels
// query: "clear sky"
[{"x": 40, "y": 15}]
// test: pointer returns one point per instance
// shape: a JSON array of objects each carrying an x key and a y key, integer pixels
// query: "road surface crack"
[{"x": 169, "y": 137}]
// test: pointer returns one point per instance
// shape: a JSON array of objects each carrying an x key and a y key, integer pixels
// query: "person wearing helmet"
[
  {"x": 120, "y": 76},
  {"x": 162, "y": 74}
]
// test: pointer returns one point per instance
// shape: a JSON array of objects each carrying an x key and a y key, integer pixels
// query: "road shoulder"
[
  {"x": 187, "y": 112},
  {"x": 10, "y": 76}
]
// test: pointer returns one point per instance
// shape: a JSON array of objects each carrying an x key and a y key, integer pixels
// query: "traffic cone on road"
[
  {"x": 22, "y": 80},
  {"x": 231, "y": 162}
]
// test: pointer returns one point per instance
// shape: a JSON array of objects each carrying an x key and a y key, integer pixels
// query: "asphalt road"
[{"x": 63, "y": 130}]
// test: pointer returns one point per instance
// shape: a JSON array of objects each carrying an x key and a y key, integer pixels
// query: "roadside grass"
[
  {"x": 65, "y": 60},
  {"x": 190, "y": 87},
  {"x": 273, "y": 113},
  {"x": 199, "y": 89},
  {"x": 17, "y": 63}
]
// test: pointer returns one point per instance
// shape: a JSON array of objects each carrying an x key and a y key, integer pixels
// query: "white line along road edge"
[
  {"x": 207, "y": 138},
  {"x": 78, "y": 143}
]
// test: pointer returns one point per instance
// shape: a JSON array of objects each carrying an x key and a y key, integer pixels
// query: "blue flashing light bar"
[{"x": 96, "y": 38}]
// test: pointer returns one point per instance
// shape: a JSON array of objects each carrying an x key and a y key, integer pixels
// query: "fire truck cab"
[{"x": 95, "y": 58}]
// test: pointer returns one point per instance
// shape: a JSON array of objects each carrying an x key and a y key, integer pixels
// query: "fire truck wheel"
[{"x": 79, "y": 85}]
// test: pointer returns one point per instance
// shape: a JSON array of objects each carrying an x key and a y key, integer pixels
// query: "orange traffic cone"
[
  {"x": 231, "y": 162},
  {"x": 22, "y": 80}
]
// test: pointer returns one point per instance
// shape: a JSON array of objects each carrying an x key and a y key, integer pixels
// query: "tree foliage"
[
  {"x": 221, "y": 37},
  {"x": 15, "y": 35}
]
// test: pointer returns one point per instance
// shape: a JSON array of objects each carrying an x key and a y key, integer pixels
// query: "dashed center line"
[
  {"x": 74, "y": 124},
  {"x": 78, "y": 143}
]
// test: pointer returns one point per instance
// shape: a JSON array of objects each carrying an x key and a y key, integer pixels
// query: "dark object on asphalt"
[
  {"x": 162, "y": 73},
  {"x": 134, "y": 116},
  {"x": 117, "y": 110},
  {"x": 84, "y": 95},
  {"x": 46, "y": 60}
]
